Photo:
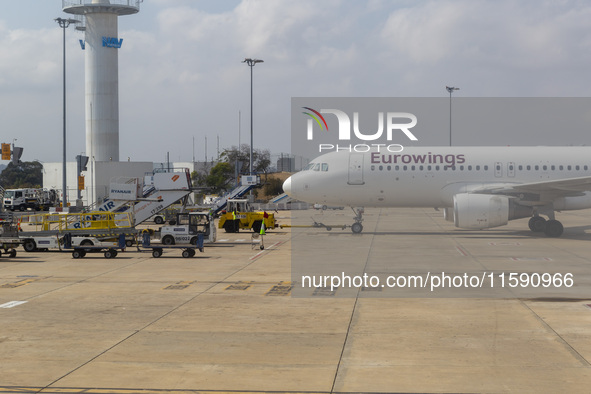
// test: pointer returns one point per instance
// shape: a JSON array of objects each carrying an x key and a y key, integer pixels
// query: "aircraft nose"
[{"x": 287, "y": 186}]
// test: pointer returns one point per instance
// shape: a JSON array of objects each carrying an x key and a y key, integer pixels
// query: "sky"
[{"x": 181, "y": 75}]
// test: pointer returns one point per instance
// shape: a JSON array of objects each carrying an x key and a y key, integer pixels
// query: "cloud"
[{"x": 181, "y": 74}]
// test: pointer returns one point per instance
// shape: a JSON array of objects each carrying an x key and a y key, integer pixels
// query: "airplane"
[{"x": 476, "y": 187}]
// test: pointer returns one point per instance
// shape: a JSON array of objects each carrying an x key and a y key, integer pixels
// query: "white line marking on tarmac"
[
  {"x": 263, "y": 251},
  {"x": 12, "y": 304},
  {"x": 462, "y": 252}
]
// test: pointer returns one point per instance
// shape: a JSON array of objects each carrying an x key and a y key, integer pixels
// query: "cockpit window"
[
  {"x": 308, "y": 167},
  {"x": 316, "y": 167},
  {"x": 324, "y": 166}
]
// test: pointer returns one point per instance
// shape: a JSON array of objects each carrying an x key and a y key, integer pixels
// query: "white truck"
[{"x": 36, "y": 199}]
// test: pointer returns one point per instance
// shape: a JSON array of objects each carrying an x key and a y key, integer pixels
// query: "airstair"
[{"x": 144, "y": 199}]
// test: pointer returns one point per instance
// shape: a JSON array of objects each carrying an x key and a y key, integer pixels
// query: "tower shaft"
[{"x": 102, "y": 87}]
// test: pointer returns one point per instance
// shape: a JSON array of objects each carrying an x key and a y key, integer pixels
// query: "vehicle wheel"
[
  {"x": 537, "y": 224},
  {"x": 157, "y": 253},
  {"x": 12, "y": 253},
  {"x": 229, "y": 226},
  {"x": 328, "y": 228},
  {"x": 29, "y": 245},
  {"x": 109, "y": 254},
  {"x": 191, "y": 252},
  {"x": 357, "y": 228},
  {"x": 194, "y": 240},
  {"x": 262, "y": 247},
  {"x": 324, "y": 207},
  {"x": 82, "y": 253},
  {"x": 186, "y": 253},
  {"x": 168, "y": 240},
  {"x": 76, "y": 254},
  {"x": 553, "y": 228},
  {"x": 22, "y": 208},
  {"x": 256, "y": 226},
  {"x": 158, "y": 220},
  {"x": 172, "y": 222},
  {"x": 87, "y": 242},
  {"x": 129, "y": 243}
]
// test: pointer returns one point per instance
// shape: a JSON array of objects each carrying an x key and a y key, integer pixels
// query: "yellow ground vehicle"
[{"x": 238, "y": 215}]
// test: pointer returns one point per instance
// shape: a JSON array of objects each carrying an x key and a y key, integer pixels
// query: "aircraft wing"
[{"x": 551, "y": 188}]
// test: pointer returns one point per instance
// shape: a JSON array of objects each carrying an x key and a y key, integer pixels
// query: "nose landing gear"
[{"x": 357, "y": 227}]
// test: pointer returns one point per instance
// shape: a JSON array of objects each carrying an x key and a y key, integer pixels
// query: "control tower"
[{"x": 101, "y": 72}]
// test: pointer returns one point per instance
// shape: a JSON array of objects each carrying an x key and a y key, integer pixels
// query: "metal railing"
[{"x": 129, "y": 3}]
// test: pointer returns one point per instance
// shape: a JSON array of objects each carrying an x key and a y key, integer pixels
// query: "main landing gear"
[
  {"x": 357, "y": 227},
  {"x": 552, "y": 227}
]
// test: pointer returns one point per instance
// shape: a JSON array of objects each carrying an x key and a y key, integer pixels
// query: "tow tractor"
[
  {"x": 238, "y": 215},
  {"x": 189, "y": 225}
]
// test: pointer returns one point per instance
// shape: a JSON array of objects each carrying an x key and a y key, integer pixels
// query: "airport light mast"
[
  {"x": 64, "y": 23},
  {"x": 251, "y": 63},
  {"x": 450, "y": 89}
]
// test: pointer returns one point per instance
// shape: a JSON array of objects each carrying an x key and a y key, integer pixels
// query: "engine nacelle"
[{"x": 478, "y": 211}]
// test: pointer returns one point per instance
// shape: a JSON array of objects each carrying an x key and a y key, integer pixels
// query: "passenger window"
[
  {"x": 561, "y": 168},
  {"x": 324, "y": 166},
  {"x": 537, "y": 168},
  {"x": 469, "y": 168},
  {"x": 529, "y": 168},
  {"x": 397, "y": 168},
  {"x": 405, "y": 168},
  {"x": 586, "y": 168},
  {"x": 553, "y": 168},
  {"x": 477, "y": 168},
  {"x": 381, "y": 168},
  {"x": 373, "y": 168},
  {"x": 569, "y": 168},
  {"x": 389, "y": 168},
  {"x": 461, "y": 168},
  {"x": 485, "y": 168},
  {"x": 577, "y": 168},
  {"x": 520, "y": 167}
]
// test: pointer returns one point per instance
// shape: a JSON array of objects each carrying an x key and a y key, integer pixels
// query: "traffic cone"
[{"x": 263, "y": 228}]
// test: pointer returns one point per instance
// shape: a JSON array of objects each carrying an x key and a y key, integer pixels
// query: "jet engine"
[{"x": 478, "y": 211}]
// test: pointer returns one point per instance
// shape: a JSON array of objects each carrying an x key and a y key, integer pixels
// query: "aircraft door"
[
  {"x": 356, "y": 169},
  {"x": 498, "y": 169},
  {"x": 511, "y": 169}
]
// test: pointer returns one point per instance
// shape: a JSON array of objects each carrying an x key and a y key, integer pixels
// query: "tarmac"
[{"x": 227, "y": 320}]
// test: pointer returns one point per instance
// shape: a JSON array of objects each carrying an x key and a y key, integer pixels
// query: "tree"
[
  {"x": 220, "y": 177},
  {"x": 273, "y": 187},
  {"x": 261, "y": 159},
  {"x": 25, "y": 175}
]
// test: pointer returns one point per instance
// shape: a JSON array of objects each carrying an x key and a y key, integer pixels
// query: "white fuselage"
[{"x": 431, "y": 176}]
